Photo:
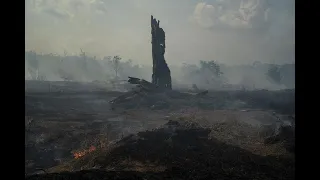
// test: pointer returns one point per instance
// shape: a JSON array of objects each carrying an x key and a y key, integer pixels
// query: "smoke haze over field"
[
  {"x": 228, "y": 31},
  {"x": 87, "y": 69}
]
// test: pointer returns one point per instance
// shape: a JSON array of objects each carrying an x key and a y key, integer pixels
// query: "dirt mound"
[{"x": 177, "y": 150}]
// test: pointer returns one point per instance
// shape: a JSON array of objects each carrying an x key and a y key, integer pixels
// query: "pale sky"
[{"x": 228, "y": 31}]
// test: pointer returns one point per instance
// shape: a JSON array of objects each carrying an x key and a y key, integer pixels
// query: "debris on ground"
[
  {"x": 150, "y": 95},
  {"x": 202, "y": 93}
]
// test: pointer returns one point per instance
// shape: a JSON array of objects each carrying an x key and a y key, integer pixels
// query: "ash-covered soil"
[
  {"x": 180, "y": 149},
  {"x": 61, "y": 123}
]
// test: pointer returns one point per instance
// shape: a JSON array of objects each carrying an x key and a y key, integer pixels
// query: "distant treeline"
[{"x": 206, "y": 74}]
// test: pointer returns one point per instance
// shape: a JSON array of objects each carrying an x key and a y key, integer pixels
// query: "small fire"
[{"x": 78, "y": 155}]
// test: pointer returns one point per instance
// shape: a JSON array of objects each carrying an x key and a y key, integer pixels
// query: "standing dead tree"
[
  {"x": 161, "y": 75},
  {"x": 116, "y": 65},
  {"x": 84, "y": 59}
]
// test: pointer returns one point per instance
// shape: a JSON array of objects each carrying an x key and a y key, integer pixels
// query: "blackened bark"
[{"x": 161, "y": 75}]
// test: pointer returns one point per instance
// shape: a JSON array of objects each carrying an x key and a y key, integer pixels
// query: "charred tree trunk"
[{"x": 161, "y": 75}]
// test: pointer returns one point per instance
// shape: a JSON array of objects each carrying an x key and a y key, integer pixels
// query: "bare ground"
[{"x": 61, "y": 123}]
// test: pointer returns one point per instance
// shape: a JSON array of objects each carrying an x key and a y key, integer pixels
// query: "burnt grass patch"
[{"x": 185, "y": 152}]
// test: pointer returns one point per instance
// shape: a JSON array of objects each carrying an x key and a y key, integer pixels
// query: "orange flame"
[{"x": 80, "y": 154}]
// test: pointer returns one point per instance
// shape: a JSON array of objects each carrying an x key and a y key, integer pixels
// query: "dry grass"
[
  {"x": 246, "y": 137},
  {"x": 228, "y": 127}
]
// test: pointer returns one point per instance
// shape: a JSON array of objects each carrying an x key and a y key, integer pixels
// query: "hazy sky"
[{"x": 229, "y": 31}]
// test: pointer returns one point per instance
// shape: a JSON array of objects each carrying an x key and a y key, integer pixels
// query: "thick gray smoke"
[{"x": 51, "y": 67}]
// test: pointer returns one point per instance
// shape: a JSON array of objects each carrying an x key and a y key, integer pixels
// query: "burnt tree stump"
[{"x": 161, "y": 75}]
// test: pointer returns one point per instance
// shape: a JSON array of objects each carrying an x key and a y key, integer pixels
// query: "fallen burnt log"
[
  {"x": 143, "y": 84},
  {"x": 202, "y": 93},
  {"x": 142, "y": 87},
  {"x": 151, "y": 95},
  {"x": 133, "y": 80}
]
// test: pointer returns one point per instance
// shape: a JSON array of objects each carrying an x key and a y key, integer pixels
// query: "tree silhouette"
[
  {"x": 274, "y": 73},
  {"x": 116, "y": 65},
  {"x": 84, "y": 60},
  {"x": 32, "y": 59},
  {"x": 212, "y": 66}
]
